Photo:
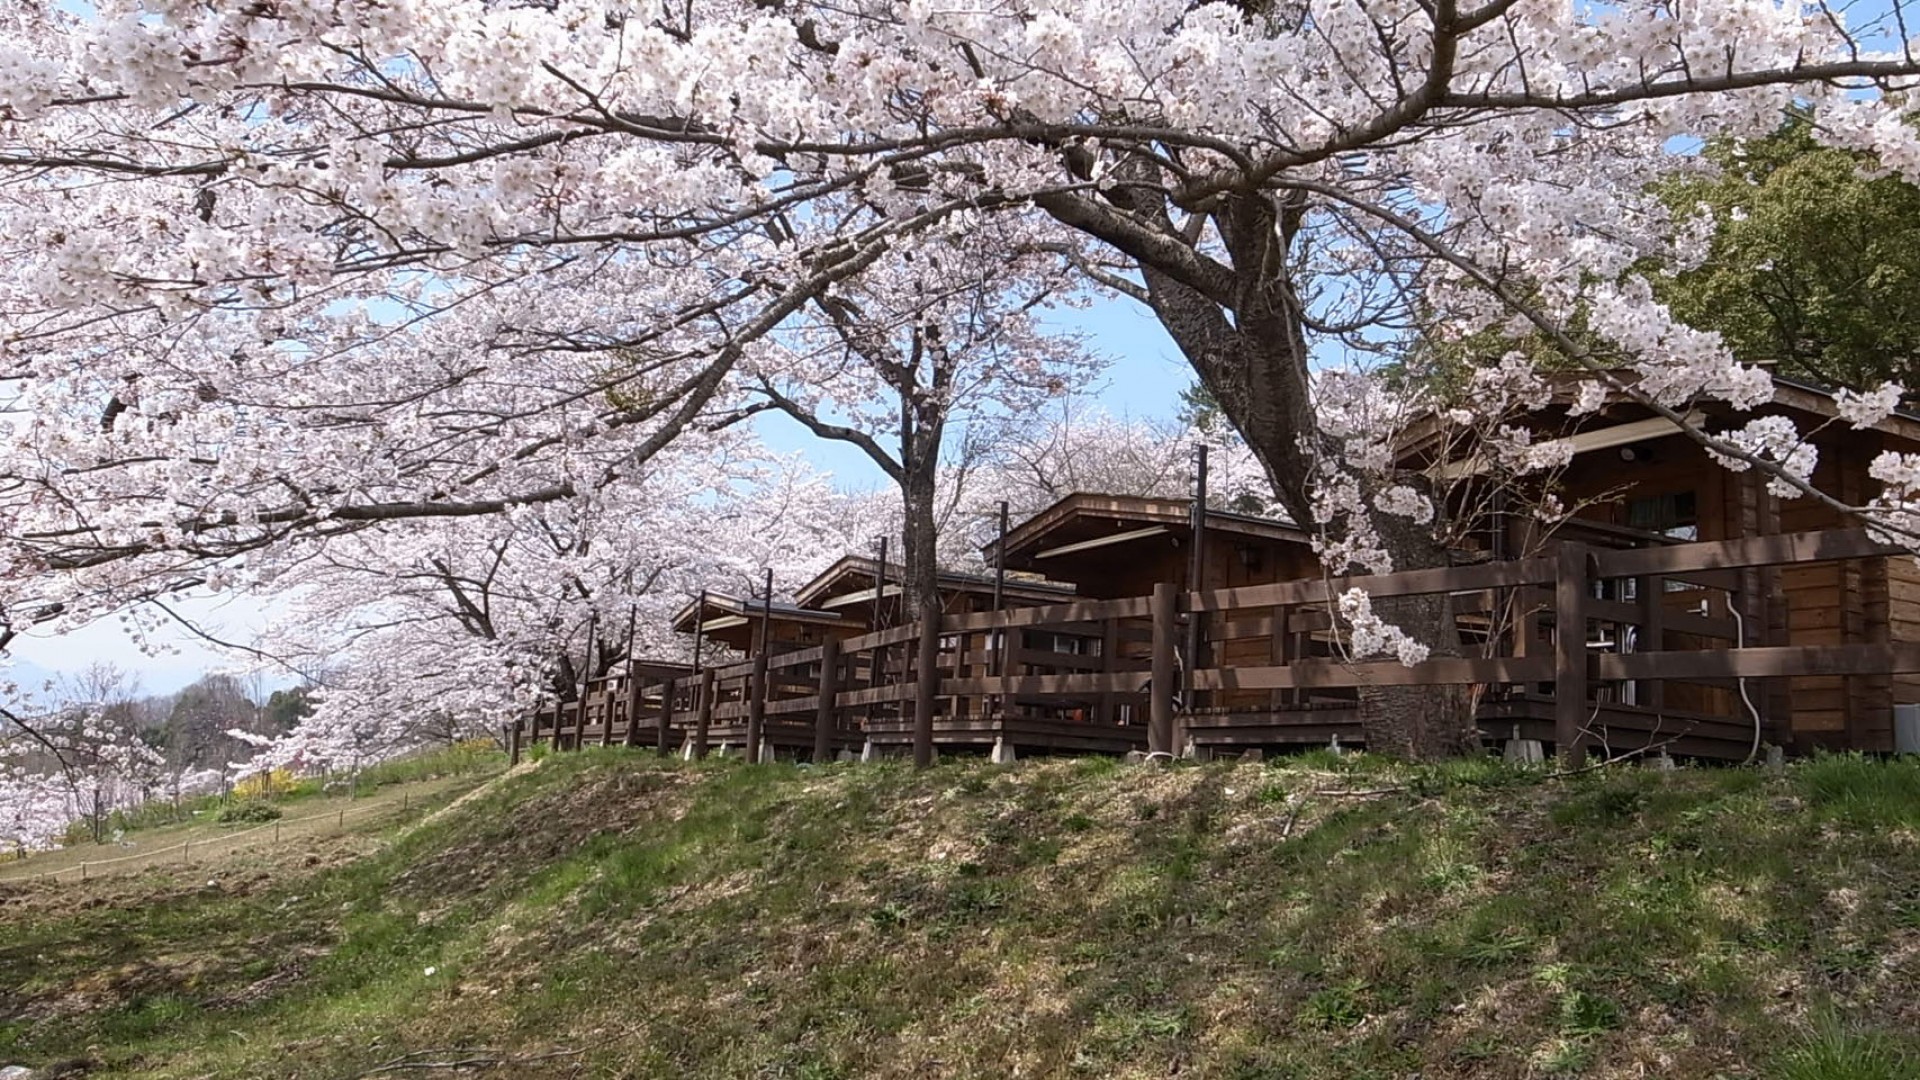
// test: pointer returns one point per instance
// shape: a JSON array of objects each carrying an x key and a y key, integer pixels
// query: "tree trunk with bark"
[
  {"x": 1242, "y": 326},
  {"x": 1419, "y": 723},
  {"x": 920, "y": 572}
]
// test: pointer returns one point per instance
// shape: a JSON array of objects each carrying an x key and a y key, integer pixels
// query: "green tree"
[
  {"x": 285, "y": 708},
  {"x": 1814, "y": 265}
]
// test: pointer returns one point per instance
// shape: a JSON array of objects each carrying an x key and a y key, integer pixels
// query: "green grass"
[
  {"x": 465, "y": 759},
  {"x": 611, "y": 914},
  {"x": 1830, "y": 1052}
]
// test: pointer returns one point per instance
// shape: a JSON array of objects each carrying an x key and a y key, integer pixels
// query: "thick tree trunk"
[
  {"x": 1245, "y": 332},
  {"x": 1418, "y": 723},
  {"x": 920, "y": 598}
]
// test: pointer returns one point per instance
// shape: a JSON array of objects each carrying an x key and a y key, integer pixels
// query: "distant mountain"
[{"x": 31, "y": 678}]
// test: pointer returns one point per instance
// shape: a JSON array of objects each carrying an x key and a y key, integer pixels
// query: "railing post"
[
  {"x": 1160, "y": 682},
  {"x": 606, "y": 715},
  {"x": 1570, "y": 710},
  {"x": 703, "y": 713},
  {"x": 829, "y": 686},
  {"x": 927, "y": 684},
  {"x": 665, "y": 726},
  {"x": 513, "y": 742},
  {"x": 756, "y": 707},
  {"x": 632, "y": 735},
  {"x": 1109, "y": 645},
  {"x": 1653, "y": 633}
]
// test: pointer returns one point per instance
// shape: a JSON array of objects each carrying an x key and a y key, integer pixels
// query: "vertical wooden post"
[
  {"x": 829, "y": 686},
  {"x": 927, "y": 684},
  {"x": 1160, "y": 682},
  {"x": 756, "y": 707},
  {"x": 586, "y": 686},
  {"x": 1109, "y": 646},
  {"x": 606, "y": 713},
  {"x": 633, "y": 717},
  {"x": 1277, "y": 651},
  {"x": 1570, "y": 709},
  {"x": 757, "y": 688},
  {"x": 632, "y": 737},
  {"x": 1196, "y": 574},
  {"x": 955, "y": 703},
  {"x": 665, "y": 730},
  {"x": 1653, "y": 633},
  {"x": 878, "y": 658},
  {"x": 513, "y": 743},
  {"x": 703, "y": 714}
]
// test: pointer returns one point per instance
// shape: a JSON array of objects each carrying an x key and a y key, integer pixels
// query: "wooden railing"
[{"x": 1680, "y": 614}]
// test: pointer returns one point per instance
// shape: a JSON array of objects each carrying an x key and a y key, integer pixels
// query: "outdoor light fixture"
[{"x": 1636, "y": 452}]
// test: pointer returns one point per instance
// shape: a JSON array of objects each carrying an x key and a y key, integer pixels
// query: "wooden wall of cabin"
[
  {"x": 1903, "y": 589},
  {"x": 1605, "y": 488},
  {"x": 1850, "y": 602},
  {"x": 1232, "y": 562},
  {"x": 1838, "y": 603}
]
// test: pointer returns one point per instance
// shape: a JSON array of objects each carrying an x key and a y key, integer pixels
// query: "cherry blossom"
[{"x": 283, "y": 274}]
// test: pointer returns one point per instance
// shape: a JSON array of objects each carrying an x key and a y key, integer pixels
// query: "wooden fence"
[{"x": 1667, "y": 636}]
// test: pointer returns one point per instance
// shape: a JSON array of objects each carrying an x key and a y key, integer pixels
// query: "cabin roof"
[
  {"x": 1793, "y": 395},
  {"x": 723, "y": 611},
  {"x": 850, "y": 570},
  {"x": 1084, "y": 520}
]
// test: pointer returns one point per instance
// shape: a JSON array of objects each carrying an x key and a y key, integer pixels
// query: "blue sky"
[{"x": 1144, "y": 381}]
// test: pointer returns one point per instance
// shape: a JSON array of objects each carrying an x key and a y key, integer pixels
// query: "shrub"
[
  {"x": 266, "y": 784},
  {"x": 248, "y": 812}
]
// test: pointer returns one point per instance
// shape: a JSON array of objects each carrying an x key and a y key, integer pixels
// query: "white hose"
[{"x": 1740, "y": 642}]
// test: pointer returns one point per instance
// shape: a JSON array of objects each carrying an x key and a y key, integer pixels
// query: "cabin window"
[
  {"x": 1074, "y": 646},
  {"x": 1674, "y": 514}
]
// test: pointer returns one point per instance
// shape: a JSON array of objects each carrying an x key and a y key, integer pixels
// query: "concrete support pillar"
[{"x": 1002, "y": 753}]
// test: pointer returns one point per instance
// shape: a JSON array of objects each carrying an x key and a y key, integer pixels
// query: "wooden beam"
[
  {"x": 796, "y": 658},
  {"x": 756, "y": 707},
  {"x": 1448, "y": 579},
  {"x": 703, "y": 712},
  {"x": 1090, "y": 612},
  {"x": 1335, "y": 674},
  {"x": 823, "y": 718},
  {"x": 1822, "y": 546},
  {"x": 665, "y": 725},
  {"x": 873, "y": 695},
  {"x": 927, "y": 681},
  {"x": 1160, "y": 688},
  {"x": 1087, "y": 684},
  {"x": 1570, "y": 652},
  {"x": 1779, "y": 661},
  {"x": 1101, "y": 541}
]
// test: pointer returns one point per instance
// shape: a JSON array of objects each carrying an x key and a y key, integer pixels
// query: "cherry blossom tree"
[
  {"x": 300, "y": 269},
  {"x": 924, "y": 363},
  {"x": 444, "y": 630},
  {"x": 81, "y": 758},
  {"x": 1081, "y": 448}
]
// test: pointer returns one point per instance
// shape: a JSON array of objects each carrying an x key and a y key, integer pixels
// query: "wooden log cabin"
[
  {"x": 1111, "y": 546},
  {"x": 1713, "y": 614},
  {"x": 1637, "y": 481},
  {"x": 847, "y": 600}
]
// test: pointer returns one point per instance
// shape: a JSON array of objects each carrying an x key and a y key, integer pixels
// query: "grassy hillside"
[{"x": 604, "y": 914}]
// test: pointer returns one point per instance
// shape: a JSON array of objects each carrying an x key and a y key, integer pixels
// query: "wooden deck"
[{"x": 1663, "y": 658}]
